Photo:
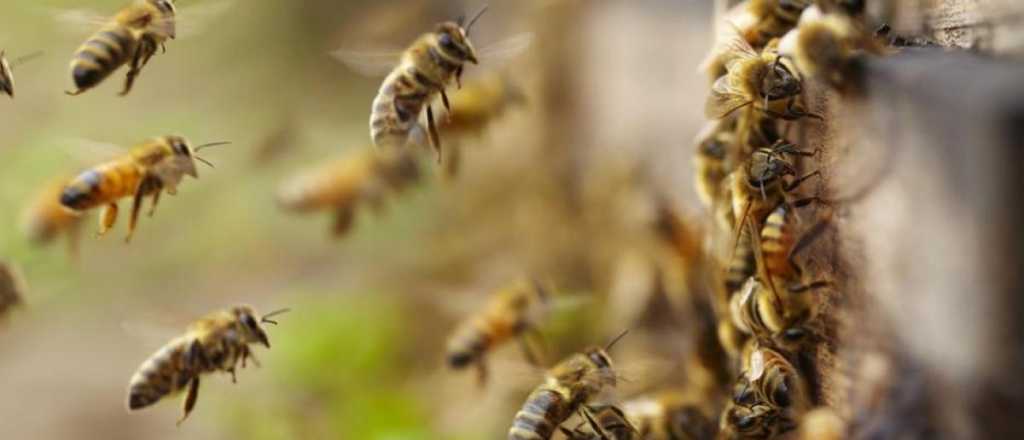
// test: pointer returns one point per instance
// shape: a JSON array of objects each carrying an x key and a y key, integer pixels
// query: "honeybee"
[
  {"x": 568, "y": 385},
  {"x": 512, "y": 312},
  {"x": 7, "y": 71},
  {"x": 822, "y": 424},
  {"x": 826, "y": 46},
  {"x": 757, "y": 22},
  {"x": 131, "y": 36},
  {"x": 364, "y": 176},
  {"x": 217, "y": 342},
  {"x": 156, "y": 165},
  {"x": 431, "y": 63},
  {"x": 710, "y": 162},
  {"x": 12, "y": 288},
  {"x": 45, "y": 217},
  {"x": 768, "y": 398},
  {"x": 607, "y": 422},
  {"x": 671, "y": 415},
  {"x": 765, "y": 83}
]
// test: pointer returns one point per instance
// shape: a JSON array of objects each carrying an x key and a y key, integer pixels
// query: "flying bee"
[
  {"x": 512, "y": 312},
  {"x": 757, "y": 22},
  {"x": 607, "y": 422},
  {"x": 45, "y": 217},
  {"x": 7, "y": 71},
  {"x": 671, "y": 415},
  {"x": 426, "y": 68},
  {"x": 131, "y": 36},
  {"x": 476, "y": 106},
  {"x": 765, "y": 83},
  {"x": 155, "y": 166},
  {"x": 343, "y": 185},
  {"x": 568, "y": 385},
  {"x": 12, "y": 288},
  {"x": 217, "y": 342}
]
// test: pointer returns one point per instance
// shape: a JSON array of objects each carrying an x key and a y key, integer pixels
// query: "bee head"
[
  {"x": 602, "y": 363},
  {"x": 780, "y": 82},
  {"x": 250, "y": 324},
  {"x": 185, "y": 154},
  {"x": 454, "y": 42}
]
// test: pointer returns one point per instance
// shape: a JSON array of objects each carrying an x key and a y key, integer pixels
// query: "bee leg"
[
  {"x": 190, "y": 399},
  {"x": 458, "y": 77},
  {"x": 796, "y": 183},
  {"x": 136, "y": 66},
  {"x": 814, "y": 285},
  {"x": 447, "y": 105},
  {"x": 248, "y": 354},
  {"x": 156, "y": 199},
  {"x": 133, "y": 219},
  {"x": 435, "y": 139},
  {"x": 234, "y": 376},
  {"x": 107, "y": 218},
  {"x": 343, "y": 220},
  {"x": 75, "y": 93},
  {"x": 585, "y": 413}
]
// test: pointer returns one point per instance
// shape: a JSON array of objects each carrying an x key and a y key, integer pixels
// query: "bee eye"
[
  {"x": 250, "y": 322},
  {"x": 599, "y": 360},
  {"x": 745, "y": 422},
  {"x": 446, "y": 41},
  {"x": 781, "y": 394}
]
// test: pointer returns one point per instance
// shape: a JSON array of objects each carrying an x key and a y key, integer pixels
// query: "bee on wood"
[
  {"x": 45, "y": 217},
  {"x": 217, "y": 342},
  {"x": 607, "y": 422},
  {"x": 757, "y": 22},
  {"x": 768, "y": 399},
  {"x": 363, "y": 177},
  {"x": 829, "y": 46},
  {"x": 155, "y": 166},
  {"x": 7, "y": 71},
  {"x": 569, "y": 385},
  {"x": 512, "y": 313},
  {"x": 765, "y": 83},
  {"x": 12, "y": 288}
]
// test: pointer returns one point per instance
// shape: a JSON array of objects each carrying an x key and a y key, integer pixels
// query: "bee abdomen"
[
  {"x": 468, "y": 345},
  {"x": 543, "y": 411},
  {"x": 162, "y": 374},
  {"x": 101, "y": 55},
  {"x": 81, "y": 192}
]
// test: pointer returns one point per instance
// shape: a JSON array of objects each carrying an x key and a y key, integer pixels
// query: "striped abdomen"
[
  {"x": 776, "y": 241},
  {"x": 741, "y": 266},
  {"x": 398, "y": 104},
  {"x": 164, "y": 373},
  {"x": 475, "y": 338},
  {"x": 540, "y": 416},
  {"x": 102, "y": 184},
  {"x": 101, "y": 54}
]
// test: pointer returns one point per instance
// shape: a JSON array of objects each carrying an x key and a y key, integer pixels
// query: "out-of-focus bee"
[
  {"x": 763, "y": 83},
  {"x": 45, "y": 217},
  {"x": 713, "y": 145},
  {"x": 365, "y": 176},
  {"x": 671, "y": 415},
  {"x": 826, "y": 46},
  {"x": 7, "y": 71},
  {"x": 474, "y": 107},
  {"x": 822, "y": 424},
  {"x": 429, "y": 65},
  {"x": 156, "y": 165},
  {"x": 217, "y": 342},
  {"x": 12, "y": 288},
  {"x": 568, "y": 385},
  {"x": 607, "y": 422},
  {"x": 757, "y": 22},
  {"x": 131, "y": 36},
  {"x": 768, "y": 399},
  {"x": 513, "y": 312}
]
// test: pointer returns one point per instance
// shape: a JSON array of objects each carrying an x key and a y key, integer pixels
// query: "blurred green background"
[{"x": 361, "y": 354}]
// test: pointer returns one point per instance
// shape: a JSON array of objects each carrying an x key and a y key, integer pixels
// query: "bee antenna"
[
  {"x": 212, "y": 144},
  {"x": 614, "y": 341},
  {"x": 275, "y": 312},
  {"x": 204, "y": 161},
  {"x": 475, "y": 18}
]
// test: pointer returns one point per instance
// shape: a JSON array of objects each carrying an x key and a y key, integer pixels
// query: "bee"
[
  {"x": 568, "y": 385},
  {"x": 826, "y": 46},
  {"x": 671, "y": 415},
  {"x": 12, "y": 288},
  {"x": 474, "y": 107},
  {"x": 822, "y": 424},
  {"x": 131, "y": 36},
  {"x": 607, "y": 422},
  {"x": 768, "y": 399},
  {"x": 365, "y": 176},
  {"x": 710, "y": 162},
  {"x": 7, "y": 71},
  {"x": 757, "y": 22},
  {"x": 45, "y": 217},
  {"x": 763, "y": 83},
  {"x": 156, "y": 165},
  {"x": 431, "y": 63},
  {"x": 513, "y": 312},
  {"x": 217, "y": 342}
]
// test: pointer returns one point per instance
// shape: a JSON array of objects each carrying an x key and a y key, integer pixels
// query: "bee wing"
[
  {"x": 194, "y": 20},
  {"x": 724, "y": 99},
  {"x": 85, "y": 152},
  {"x": 77, "y": 20},
  {"x": 730, "y": 46},
  {"x": 506, "y": 49},
  {"x": 368, "y": 63}
]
